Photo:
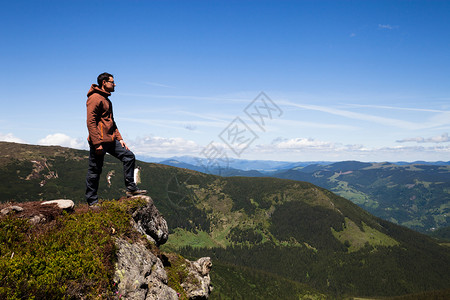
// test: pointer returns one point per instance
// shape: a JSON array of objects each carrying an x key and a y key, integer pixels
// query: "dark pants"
[{"x": 96, "y": 165}]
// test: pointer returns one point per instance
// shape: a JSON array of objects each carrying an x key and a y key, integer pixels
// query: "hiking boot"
[{"x": 137, "y": 192}]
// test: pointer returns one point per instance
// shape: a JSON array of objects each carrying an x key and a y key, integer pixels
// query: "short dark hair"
[{"x": 103, "y": 76}]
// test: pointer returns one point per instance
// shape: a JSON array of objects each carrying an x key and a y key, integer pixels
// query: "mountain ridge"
[
  {"x": 411, "y": 194},
  {"x": 267, "y": 165}
]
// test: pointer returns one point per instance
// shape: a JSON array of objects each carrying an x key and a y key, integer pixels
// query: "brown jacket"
[{"x": 100, "y": 120}]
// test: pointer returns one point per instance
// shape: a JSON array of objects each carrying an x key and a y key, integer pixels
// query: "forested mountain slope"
[{"x": 416, "y": 196}]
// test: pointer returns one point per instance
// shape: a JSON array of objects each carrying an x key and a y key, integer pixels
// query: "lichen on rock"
[{"x": 140, "y": 274}]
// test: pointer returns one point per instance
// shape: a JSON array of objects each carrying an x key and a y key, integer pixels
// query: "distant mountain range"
[
  {"x": 204, "y": 164},
  {"x": 265, "y": 232},
  {"x": 412, "y": 194},
  {"x": 262, "y": 166}
]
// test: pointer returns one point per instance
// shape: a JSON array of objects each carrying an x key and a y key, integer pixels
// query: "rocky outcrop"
[
  {"x": 140, "y": 275},
  {"x": 149, "y": 222},
  {"x": 198, "y": 283}
]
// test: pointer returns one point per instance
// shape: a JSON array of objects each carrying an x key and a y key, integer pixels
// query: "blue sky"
[{"x": 341, "y": 80}]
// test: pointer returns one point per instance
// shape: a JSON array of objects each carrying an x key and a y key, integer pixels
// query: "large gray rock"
[
  {"x": 139, "y": 274},
  {"x": 148, "y": 221},
  {"x": 198, "y": 283},
  {"x": 11, "y": 208},
  {"x": 64, "y": 204}
]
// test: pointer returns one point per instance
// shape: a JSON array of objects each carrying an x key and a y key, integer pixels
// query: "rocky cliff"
[
  {"x": 140, "y": 274},
  {"x": 140, "y": 269}
]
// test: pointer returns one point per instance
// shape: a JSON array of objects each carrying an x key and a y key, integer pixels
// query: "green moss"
[
  {"x": 72, "y": 255},
  {"x": 177, "y": 273}
]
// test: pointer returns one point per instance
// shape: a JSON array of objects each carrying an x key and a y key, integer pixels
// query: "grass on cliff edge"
[{"x": 70, "y": 257}]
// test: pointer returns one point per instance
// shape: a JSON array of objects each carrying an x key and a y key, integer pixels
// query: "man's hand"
[
  {"x": 124, "y": 145},
  {"x": 99, "y": 150}
]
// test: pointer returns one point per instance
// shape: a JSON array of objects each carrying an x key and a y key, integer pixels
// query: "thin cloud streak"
[
  {"x": 182, "y": 97},
  {"x": 397, "y": 108},
  {"x": 304, "y": 124},
  {"x": 443, "y": 138},
  {"x": 173, "y": 124},
  {"x": 159, "y": 85},
  {"x": 366, "y": 117},
  {"x": 387, "y": 26},
  {"x": 225, "y": 118}
]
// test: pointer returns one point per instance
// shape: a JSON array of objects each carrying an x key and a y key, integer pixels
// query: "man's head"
[{"x": 106, "y": 82}]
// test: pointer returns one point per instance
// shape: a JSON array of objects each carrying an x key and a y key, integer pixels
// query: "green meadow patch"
[
  {"x": 182, "y": 238},
  {"x": 355, "y": 239}
]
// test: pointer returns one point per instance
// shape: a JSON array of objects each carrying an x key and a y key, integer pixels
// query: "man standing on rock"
[{"x": 104, "y": 137}]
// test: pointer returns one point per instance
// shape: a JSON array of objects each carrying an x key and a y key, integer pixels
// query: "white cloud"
[
  {"x": 159, "y": 85},
  {"x": 386, "y": 26},
  {"x": 308, "y": 149},
  {"x": 412, "y": 153},
  {"x": 301, "y": 143},
  {"x": 60, "y": 139},
  {"x": 161, "y": 146},
  {"x": 443, "y": 138},
  {"x": 292, "y": 149},
  {"x": 9, "y": 137},
  {"x": 296, "y": 145}
]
